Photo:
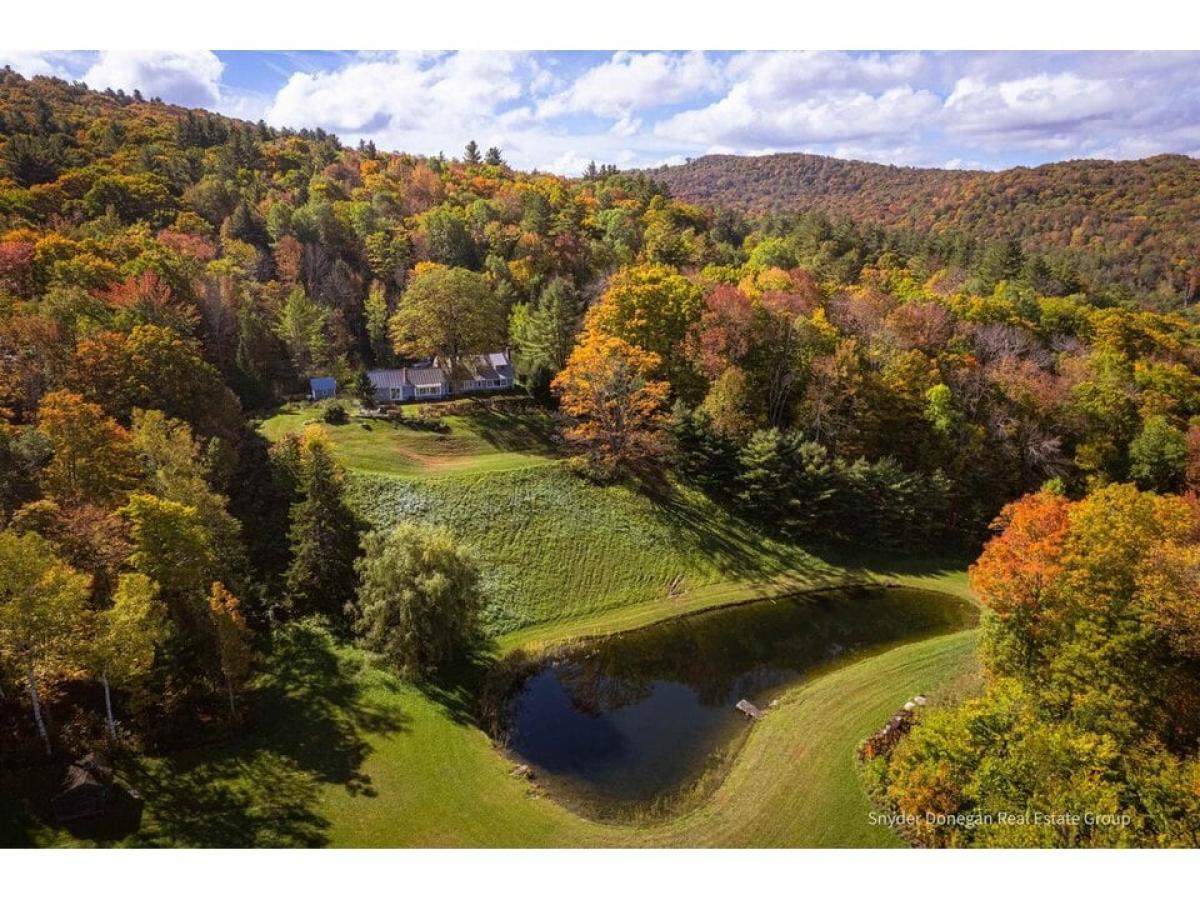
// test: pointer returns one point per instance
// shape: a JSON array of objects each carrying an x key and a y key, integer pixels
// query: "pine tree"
[
  {"x": 544, "y": 334},
  {"x": 364, "y": 390},
  {"x": 471, "y": 153},
  {"x": 324, "y": 535},
  {"x": 762, "y": 483},
  {"x": 702, "y": 455}
]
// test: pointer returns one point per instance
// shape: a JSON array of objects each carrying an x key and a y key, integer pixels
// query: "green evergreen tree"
[
  {"x": 544, "y": 333},
  {"x": 1158, "y": 455},
  {"x": 364, "y": 390},
  {"x": 323, "y": 535}
]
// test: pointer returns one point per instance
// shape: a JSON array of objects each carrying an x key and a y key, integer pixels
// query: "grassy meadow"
[
  {"x": 490, "y": 436},
  {"x": 341, "y": 753},
  {"x": 345, "y": 755}
]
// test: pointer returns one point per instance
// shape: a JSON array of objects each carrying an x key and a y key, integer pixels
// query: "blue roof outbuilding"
[{"x": 323, "y": 388}]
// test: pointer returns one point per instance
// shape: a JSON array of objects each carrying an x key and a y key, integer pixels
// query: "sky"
[{"x": 556, "y": 111}]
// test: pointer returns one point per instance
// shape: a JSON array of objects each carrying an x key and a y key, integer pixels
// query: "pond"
[{"x": 642, "y": 721}]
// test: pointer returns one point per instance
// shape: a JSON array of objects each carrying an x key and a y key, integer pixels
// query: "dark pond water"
[{"x": 634, "y": 721}]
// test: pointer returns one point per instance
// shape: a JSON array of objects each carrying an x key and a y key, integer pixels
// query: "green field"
[
  {"x": 343, "y": 754},
  {"x": 493, "y": 436},
  {"x": 555, "y": 547}
]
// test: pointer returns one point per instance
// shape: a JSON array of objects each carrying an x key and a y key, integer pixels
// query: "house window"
[{"x": 397, "y": 393}]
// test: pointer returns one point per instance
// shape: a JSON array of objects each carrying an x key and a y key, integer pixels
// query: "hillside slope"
[{"x": 1139, "y": 215}]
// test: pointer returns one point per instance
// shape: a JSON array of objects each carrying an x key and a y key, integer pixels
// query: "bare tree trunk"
[
  {"x": 37, "y": 709},
  {"x": 112, "y": 723},
  {"x": 229, "y": 687}
]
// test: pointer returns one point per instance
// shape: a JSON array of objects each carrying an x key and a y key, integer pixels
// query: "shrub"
[{"x": 335, "y": 414}]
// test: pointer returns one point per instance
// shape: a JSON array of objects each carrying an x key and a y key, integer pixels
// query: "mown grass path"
[
  {"x": 793, "y": 784},
  {"x": 486, "y": 437},
  {"x": 342, "y": 754}
]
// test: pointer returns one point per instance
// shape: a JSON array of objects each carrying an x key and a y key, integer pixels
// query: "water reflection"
[{"x": 627, "y": 721}]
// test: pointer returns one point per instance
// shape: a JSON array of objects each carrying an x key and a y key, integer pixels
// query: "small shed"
[
  {"x": 87, "y": 789},
  {"x": 322, "y": 388}
]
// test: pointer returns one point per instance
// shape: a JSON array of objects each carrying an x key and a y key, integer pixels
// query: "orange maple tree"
[
  {"x": 617, "y": 407},
  {"x": 1019, "y": 565}
]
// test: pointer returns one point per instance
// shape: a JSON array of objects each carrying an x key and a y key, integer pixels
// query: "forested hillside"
[
  {"x": 169, "y": 277},
  {"x": 1132, "y": 223}
]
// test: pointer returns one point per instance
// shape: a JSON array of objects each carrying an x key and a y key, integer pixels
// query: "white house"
[{"x": 431, "y": 381}]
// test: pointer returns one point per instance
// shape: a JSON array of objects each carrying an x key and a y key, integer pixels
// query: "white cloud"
[
  {"x": 741, "y": 121},
  {"x": 34, "y": 63},
  {"x": 568, "y": 163},
  {"x": 772, "y": 76},
  {"x": 457, "y": 94},
  {"x": 186, "y": 77},
  {"x": 1116, "y": 105},
  {"x": 626, "y": 127},
  {"x": 901, "y": 108},
  {"x": 1038, "y": 103},
  {"x": 960, "y": 163},
  {"x": 790, "y": 99},
  {"x": 634, "y": 81}
]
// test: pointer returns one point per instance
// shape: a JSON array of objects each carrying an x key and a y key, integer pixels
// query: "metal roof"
[
  {"x": 487, "y": 366},
  {"x": 387, "y": 378},
  {"x": 425, "y": 377}
]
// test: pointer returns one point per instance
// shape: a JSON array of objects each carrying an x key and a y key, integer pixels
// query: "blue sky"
[{"x": 558, "y": 110}]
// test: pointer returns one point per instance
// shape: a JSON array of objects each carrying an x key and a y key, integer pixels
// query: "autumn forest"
[{"x": 736, "y": 379}]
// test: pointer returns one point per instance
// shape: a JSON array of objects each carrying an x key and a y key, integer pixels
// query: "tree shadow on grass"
[
  {"x": 316, "y": 702},
  {"x": 895, "y": 563},
  {"x": 457, "y": 689},
  {"x": 743, "y": 551},
  {"x": 514, "y": 430},
  {"x": 735, "y": 546},
  {"x": 315, "y": 706}
]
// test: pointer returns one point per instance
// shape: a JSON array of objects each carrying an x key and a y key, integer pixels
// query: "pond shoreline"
[{"x": 514, "y": 669}]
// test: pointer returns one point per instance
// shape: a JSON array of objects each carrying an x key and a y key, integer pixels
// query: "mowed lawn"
[
  {"x": 346, "y": 756},
  {"x": 342, "y": 753},
  {"x": 489, "y": 436},
  {"x": 555, "y": 548}
]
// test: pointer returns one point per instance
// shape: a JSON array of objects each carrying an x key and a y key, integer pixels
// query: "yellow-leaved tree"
[
  {"x": 126, "y": 638},
  {"x": 233, "y": 640},
  {"x": 43, "y": 615},
  {"x": 617, "y": 407}
]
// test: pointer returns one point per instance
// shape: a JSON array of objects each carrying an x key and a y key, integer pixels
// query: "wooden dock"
[{"x": 749, "y": 709}]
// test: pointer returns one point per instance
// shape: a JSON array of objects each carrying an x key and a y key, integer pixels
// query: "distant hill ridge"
[{"x": 1148, "y": 206}]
